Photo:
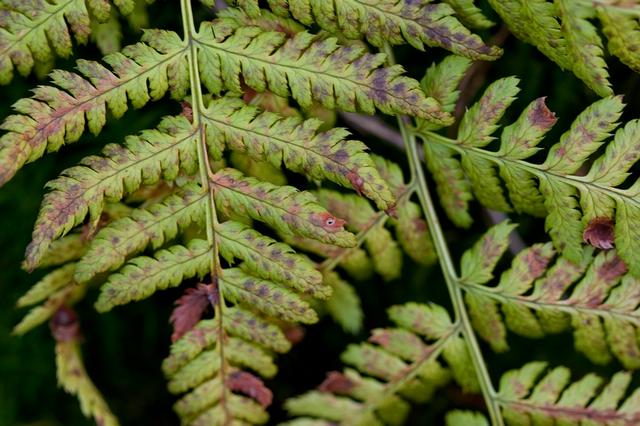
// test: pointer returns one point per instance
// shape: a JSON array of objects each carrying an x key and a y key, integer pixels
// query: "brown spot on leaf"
[
  {"x": 336, "y": 382},
  {"x": 542, "y": 116},
  {"x": 356, "y": 181},
  {"x": 250, "y": 385},
  {"x": 612, "y": 269},
  {"x": 600, "y": 233},
  {"x": 327, "y": 221},
  {"x": 536, "y": 262}
]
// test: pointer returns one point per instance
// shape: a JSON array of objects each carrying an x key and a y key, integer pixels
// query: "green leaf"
[
  {"x": 84, "y": 189},
  {"x": 298, "y": 145},
  {"x": 529, "y": 395},
  {"x": 282, "y": 207},
  {"x": 389, "y": 21},
  {"x": 57, "y": 114},
  {"x": 310, "y": 68}
]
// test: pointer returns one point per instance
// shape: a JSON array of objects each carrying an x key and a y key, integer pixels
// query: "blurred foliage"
[{"x": 123, "y": 349}]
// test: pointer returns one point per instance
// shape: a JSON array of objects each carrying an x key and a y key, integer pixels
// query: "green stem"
[
  {"x": 446, "y": 263},
  {"x": 198, "y": 107}
]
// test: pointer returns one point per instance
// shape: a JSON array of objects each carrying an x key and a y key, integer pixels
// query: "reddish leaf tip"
[
  {"x": 336, "y": 382},
  {"x": 250, "y": 385}
]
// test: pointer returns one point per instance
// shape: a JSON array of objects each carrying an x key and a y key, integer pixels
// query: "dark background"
[{"x": 124, "y": 348}]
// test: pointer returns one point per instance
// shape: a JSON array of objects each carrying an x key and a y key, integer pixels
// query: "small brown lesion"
[{"x": 600, "y": 233}]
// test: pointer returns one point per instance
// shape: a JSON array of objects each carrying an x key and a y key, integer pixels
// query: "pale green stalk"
[
  {"x": 447, "y": 265},
  {"x": 197, "y": 105}
]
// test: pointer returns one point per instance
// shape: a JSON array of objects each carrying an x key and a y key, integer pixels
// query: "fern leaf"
[
  {"x": 527, "y": 394},
  {"x": 70, "y": 370},
  {"x": 534, "y": 298},
  {"x": 207, "y": 364},
  {"x": 63, "y": 250},
  {"x": 145, "y": 159},
  {"x": 454, "y": 190},
  {"x": 310, "y": 68},
  {"x": 360, "y": 216},
  {"x": 469, "y": 14},
  {"x": 35, "y": 31},
  {"x": 584, "y": 45},
  {"x": 623, "y": 34},
  {"x": 441, "y": 82},
  {"x": 298, "y": 145},
  {"x": 151, "y": 226},
  {"x": 478, "y": 262},
  {"x": 160, "y": 222},
  {"x": 266, "y": 297},
  {"x": 557, "y": 189},
  {"x": 344, "y": 303},
  {"x": 232, "y": 18},
  {"x": 400, "y": 366},
  {"x": 142, "y": 276},
  {"x": 563, "y": 31},
  {"x": 238, "y": 322},
  {"x": 57, "y": 289},
  {"x": 481, "y": 120},
  {"x": 48, "y": 285},
  {"x": 394, "y": 22},
  {"x": 283, "y": 208},
  {"x": 57, "y": 114},
  {"x": 269, "y": 259}
]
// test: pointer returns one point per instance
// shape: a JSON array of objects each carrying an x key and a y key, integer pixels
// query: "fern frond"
[
  {"x": 238, "y": 322},
  {"x": 563, "y": 31},
  {"x": 394, "y": 22},
  {"x": 584, "y": 45},
  {"x": 83, "y": 189},
  {"x": 535, "y": 297},
  {"x": 298, "y": 145},
  {"x": 309, "y": 68},
  {"x": 533, "y": 393},
  {"x": 623, "y": 34},
  {"x": 383, "y": 253},
  {"x": 57, "y": 114},
  {"x": 469, "y": 14},
  {"x": 344, "y": 305},
  {"x": 231, "y": 19},
  {"x": 360, "y": 216},
  {"x": 557, "y": 189},
  {"x": 35, "y": 31},
  {"x": 284, "y": 208},
  {"x": 396, "y": 367},
  {"x": 70, "y": 370},
  {"x": 151, "y": 226},
  {"x": 56, "y": 289}
]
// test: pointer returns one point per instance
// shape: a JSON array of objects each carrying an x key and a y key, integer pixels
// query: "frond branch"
[
  {"x": 395, "y": 386},
  {"x": 559, "y": 305},
  {"x": 205, "y": 174},
  {"x": 446, "y": 263},
  {"x": 578, "y": 182}
]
